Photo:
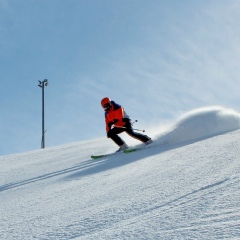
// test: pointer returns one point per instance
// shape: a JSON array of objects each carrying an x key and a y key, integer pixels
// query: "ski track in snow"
[{"x": 186, "y": 186}]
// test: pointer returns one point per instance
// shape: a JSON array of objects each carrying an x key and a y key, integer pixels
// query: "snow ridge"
[{"x": 186, "y": 189}]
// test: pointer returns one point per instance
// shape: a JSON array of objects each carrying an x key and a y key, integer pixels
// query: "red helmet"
[{"x": 105, "y": 101}]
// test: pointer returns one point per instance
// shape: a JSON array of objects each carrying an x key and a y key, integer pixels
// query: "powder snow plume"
[{"x": 201, "y": 123}]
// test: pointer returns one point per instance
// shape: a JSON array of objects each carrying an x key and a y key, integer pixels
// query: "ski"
[
  {"x": 101, "y": 156},
  {"x": 104, "y": 155},
  {"x": 110, "y": 154},
  {"x": 129, "y": 150},
  {"x": 136, "y": 149},
  {"x": 98, "y": 156}
]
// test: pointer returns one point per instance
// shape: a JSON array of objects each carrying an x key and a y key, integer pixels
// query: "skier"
[{"x": 117, "y": 121}]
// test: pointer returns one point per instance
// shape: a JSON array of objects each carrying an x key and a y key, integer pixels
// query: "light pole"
[{"x": 42, "y": 84}]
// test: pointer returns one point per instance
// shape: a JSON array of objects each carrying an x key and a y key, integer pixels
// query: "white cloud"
[{"x": 175, "y": 60}]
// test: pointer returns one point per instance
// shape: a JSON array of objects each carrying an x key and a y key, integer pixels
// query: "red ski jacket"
[{"x": 115, "y": 116}]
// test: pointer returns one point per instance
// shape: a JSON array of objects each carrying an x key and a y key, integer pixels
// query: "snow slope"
[{"x": 186, "y": 186}]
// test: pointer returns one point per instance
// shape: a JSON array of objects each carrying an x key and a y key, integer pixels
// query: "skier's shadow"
[
  {"x": 119, "y": 160},
  {"x": 115, "y": 161}
]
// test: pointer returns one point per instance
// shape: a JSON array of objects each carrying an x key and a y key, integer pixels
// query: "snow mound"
[{"x": 201, "y": 123}]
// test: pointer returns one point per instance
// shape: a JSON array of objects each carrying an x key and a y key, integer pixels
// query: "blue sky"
[{"x": 158, "y": 58}]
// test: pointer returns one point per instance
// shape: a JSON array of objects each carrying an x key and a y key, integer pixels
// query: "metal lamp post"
[{"x": 42, "y": 84}]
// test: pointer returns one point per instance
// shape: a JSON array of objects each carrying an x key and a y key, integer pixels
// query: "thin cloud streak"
[
  {"x": 178, "y": 79},
  {"x": 176, "y": 58}
]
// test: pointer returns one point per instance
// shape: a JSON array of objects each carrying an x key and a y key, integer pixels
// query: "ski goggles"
[{"x": 107, "y": 107}]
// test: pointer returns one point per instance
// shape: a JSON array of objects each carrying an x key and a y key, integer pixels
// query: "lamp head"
[{"x": 46, "y": 82}]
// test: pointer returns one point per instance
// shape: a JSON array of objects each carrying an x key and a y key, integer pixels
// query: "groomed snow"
[{"x": 186, "y": 186}]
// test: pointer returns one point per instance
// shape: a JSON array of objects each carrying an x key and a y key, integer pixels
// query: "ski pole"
[
  {"x": 136, "y": 128},
  {"x": 134, "y": 122},
  {"x": 141, "y": 130}
]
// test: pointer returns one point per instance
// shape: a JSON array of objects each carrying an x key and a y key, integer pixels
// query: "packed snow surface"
[{"x": 186, "y": 185}]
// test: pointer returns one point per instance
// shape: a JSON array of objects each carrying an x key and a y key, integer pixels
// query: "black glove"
[
  {"x": 127, "y": 122},
  {"x": 110, "y": 125}
]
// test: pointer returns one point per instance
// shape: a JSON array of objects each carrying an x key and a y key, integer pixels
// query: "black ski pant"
[{"x": 113, "y": 134}]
